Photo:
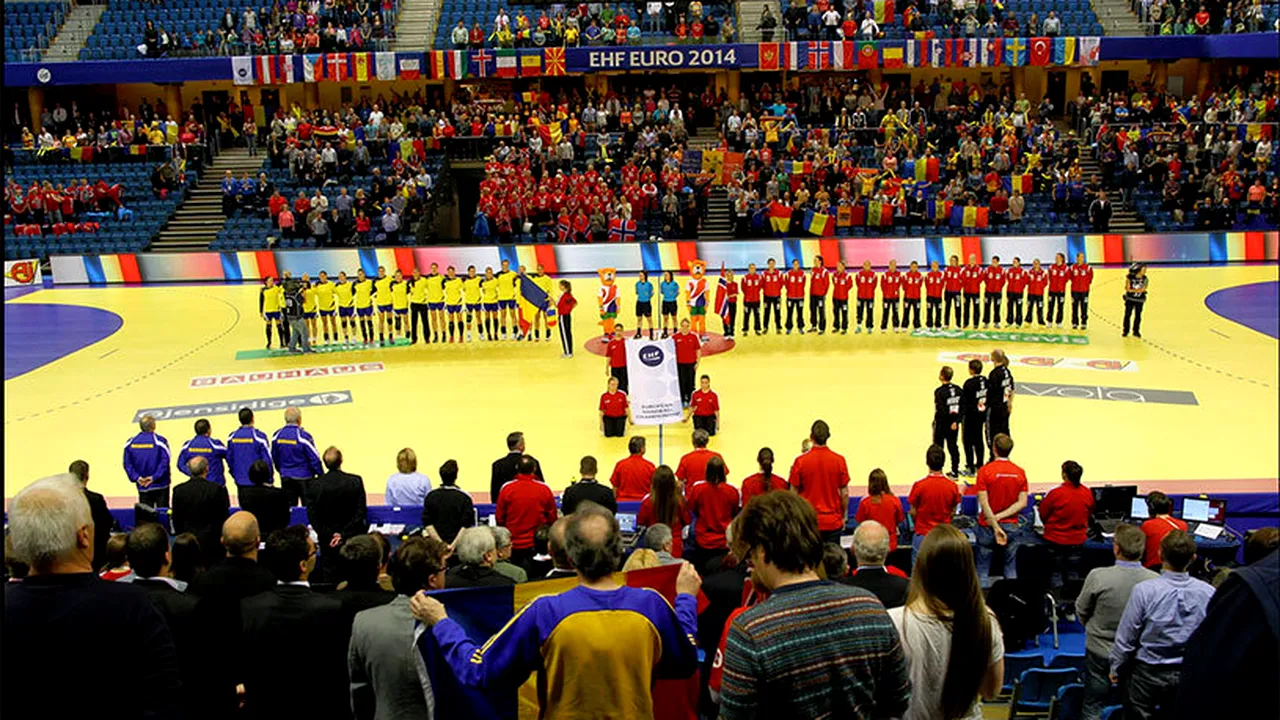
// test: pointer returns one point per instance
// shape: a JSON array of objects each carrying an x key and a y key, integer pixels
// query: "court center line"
[{"x": 147, "y": 375}]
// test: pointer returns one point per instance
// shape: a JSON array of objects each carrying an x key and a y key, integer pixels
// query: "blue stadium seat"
[{"x": 1036, "y": 688}]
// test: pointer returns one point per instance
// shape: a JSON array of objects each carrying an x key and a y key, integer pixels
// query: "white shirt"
[{"x": 926, "y": 641}]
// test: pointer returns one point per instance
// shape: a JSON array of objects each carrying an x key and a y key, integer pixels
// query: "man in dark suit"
[
  {"x": 269, "y": 504},
  {"x": 338, "y": 512},
  {"x": 201, "y": 507},
  {"x": 586, "y": 488},
  {"x": 292, "y": 621},
  {"x": 104, "y": 523},
  {"x": 219, "y": 591},
  {"x": 504, "y": 468},
  {"x": 361, "y": 565},
  {"x": 870, "y": 548}
]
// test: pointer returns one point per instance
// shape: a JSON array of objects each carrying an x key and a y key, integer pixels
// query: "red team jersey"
[
  {"x": 1036, "y": 280},
  {"x": 795, "y": 284},
  {"x": 752, "y": 284},
  {"x": 687, "y": 345},
  {"x": 617, "y": 352},
  {"x": 933, "y": 283},
  {"x": 934, "y": 497},
  {"x": 819, "y": 280},
  {"x": 891, "y": 284},
  {"x": 1058, "y": 278},
  {"x": 866, "y": 280},
  {"x": 1017, "y": 278},
  {"x": 841, "y": 282},
  {"x": 614, "y": 404},
  {"x": 714, "y": 506},
  {"x": 758, "y": 484},
  {"x": 888, "y": 512},
  {"x": 1002, "y": 481},
  {"x": 1081, "y": 278},
  {"x": 954, "y": 275},
  {"x": 704, "y": 403},
  {"x": 972, "y": 276},
  {"x": 994, "y": 278},
  {"x": 911, "y": 283},
  {"x": 772, "y": 283}
]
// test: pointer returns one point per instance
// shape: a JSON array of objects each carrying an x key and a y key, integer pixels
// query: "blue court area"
[
  {"x": 36, "y": 334},
  {"x": 1256, "y": 306}
]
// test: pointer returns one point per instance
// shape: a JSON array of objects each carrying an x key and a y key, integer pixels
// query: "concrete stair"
[
  {"x": 1123, "y": 218},
  {"x": 719, "y": 222},
  {"x": 416, "y": 28},
  {"x": 1117, "y": 18},
  {"x": 705, "y": 139},
  {"x": 200, "y": 218},
  {"x": 749, "y": 12},
  {"x": 73, "y": 34}
]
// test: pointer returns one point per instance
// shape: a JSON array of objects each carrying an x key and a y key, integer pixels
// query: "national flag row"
[
  {"x": 880, "y": 214},
  {"x": 963, "y": 52},
  {"x": 358, "y": 66}
]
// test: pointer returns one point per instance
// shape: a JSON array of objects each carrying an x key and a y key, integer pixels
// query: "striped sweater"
[{"x": 815, "y": 650}]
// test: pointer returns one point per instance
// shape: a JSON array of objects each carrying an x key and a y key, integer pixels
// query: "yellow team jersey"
[
  {"x": 383, "y": 288},
  {"x": 345, "y": 293},
  {"x": 324, "y": 296},
  {"x": 435, "y": 288},
  {"x": 507, "y": 286},
  {"x": 453, "y": 291},
  {"x": 489, "y": 290},
  {"x": 543, "y": 282},
  {"x": 364, "y": 293},
  {"x": 309, "y": 300},
  {"x": 272, "y": 299},
  {"x": 400, "y": 295},
  {"x": 471, "y": 290},
  {"x": 418, "y": 290}
]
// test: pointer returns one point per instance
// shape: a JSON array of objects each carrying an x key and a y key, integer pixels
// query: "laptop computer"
[
  {"x": 1204, "y": 516},
  {"x": 1112, "y": 504},
  {"x": 626, "y": 523},
  {"x": 1138, "y": 509}
]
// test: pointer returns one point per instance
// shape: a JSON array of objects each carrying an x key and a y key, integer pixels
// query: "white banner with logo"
[
  {"x": 1039, "y": 361},
  {"x": 21, "y": 273},
  {"x": 654, "y": 385}
]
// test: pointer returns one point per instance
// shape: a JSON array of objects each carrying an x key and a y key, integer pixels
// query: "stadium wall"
[{"x": 1172, "y": 248}]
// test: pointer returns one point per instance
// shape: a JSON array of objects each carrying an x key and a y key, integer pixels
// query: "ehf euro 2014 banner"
[
  {"x": 653, "y": 383},
  {"x": 693, "y": 57}
]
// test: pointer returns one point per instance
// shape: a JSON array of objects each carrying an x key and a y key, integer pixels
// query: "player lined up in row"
[{"x": 434, "y": 301}]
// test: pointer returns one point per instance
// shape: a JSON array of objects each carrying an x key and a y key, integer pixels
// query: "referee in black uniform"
[
  {"x": 973, "y": 407},
  {"x": 946, "y": 417},
  {"x": 999, "y": 397}
]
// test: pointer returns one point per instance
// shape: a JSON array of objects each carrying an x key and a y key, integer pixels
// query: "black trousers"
[
  {"x": 795, "y": 308},
  {"x": 991, "y": 299},
  {"x": 158, "y": 497},
  {"x": 418, "y": 312},
  {"x": 840, "y": 316},
  {"x": 774, "y": 305},
  {"x": 297, "y": 490},
  {"x": 1152, "y": 690},
  {"x": 944, "y": 436},
  {"x": 973, "y": 440},
  {"x": 1014, "y": 316},
  {"x": 974, "y": 301},
  {"x": 933, "y": 312},
  {"x": 1035, "y": 303},
  {"x": 684, "y": 371},
  {"x": 911, "y": 313},
  {"x": 566, "y": 333},
  {"x": 1080, "y": 309},
  {"x": 621, "y": 374},
  {"x": 1055, "y": 299},
  {"x": 730, "y": 316},
  {"x": 615, "y": 426},
  {"x": 890, "y": 306},
  {"x": 750, "y": 311},
  {"x": 951, "y": 300},
  {"x": 705, "y": 422},
  {"x": 1133, "y": 309},
  {"x": 818, "y": 312},
  {"x": 869, "y": 306},
  {"x": 997, "y": 424}
]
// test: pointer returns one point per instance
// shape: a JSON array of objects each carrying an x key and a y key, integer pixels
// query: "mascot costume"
[
  {"x": 608, "y": 301},
  {"x": 697, "y": 297}
]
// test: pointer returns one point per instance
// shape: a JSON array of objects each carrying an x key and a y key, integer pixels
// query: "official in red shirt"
[
  {"x": 688, "y": 350},
  {"x": 933, "y": 498},
  {"x": 912, "y": 283},
  {"x": 693, "y": 466},
  {"x": 972, "y": 276},
  {"x": 866, "y": 282},
  {"x": 1081, "y": 279},
  {"x": 841, "y": 283},
  {"x": 772, "y": 280},
  {"x": 1058, "y": 274},
  {"x": 1160, "y": 508},
  {"x": 763, "y": 481},
  {"x": 890, "y": 291},
  {"x": 934, "y": 281},
  {"x": 1016, "y": 284},
  {"x": 1037, "y": 280},
  {"x": 1065, "y": 511},
  {"x": 633, "y": 474},
  {"x": 752, "y": 287},
  {"x": 795, "y": 297},
  {"x": 524, "y": 505},
  {"x": 953, "y": 278},
  {"x": 564, "y": 318},
  {"x": 1002, "y": 495},
  {"x": 881, "y": 505},
  {"x": 819, "y": 282},
  {"x": 664, "y": 504},
  {"x": 614, "y": 410},
  {"x": 822, "y": 477},
  {"x": 704, "y": 407},
  {"x": 713, "y": 503},
  {"x": 616, "y": 358},
  {"x": 993, "y": 279}
]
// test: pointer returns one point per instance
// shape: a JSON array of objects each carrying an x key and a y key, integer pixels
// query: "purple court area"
[
  {"x": 1256, "y": 306},
  {"x": 37, "y": 334}
]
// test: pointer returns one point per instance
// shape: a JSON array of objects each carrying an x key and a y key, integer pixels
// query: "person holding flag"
[{"x": 727, "y": 300}]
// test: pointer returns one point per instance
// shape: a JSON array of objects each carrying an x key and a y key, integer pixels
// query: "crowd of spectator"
[
  {"x": 1180, "y": 17},
  {"x": 597, "y": 24},
  {"x": 310, "y": 26},
  {"x": 832, "y": 20}
]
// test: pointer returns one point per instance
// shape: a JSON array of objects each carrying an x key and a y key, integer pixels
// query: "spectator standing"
[
  {"x": 1065, "y": 513},
  {"x": 948, "y": 632},
  {"x": 821, "y": 477},
  {"x": 504, "y": 468},
  {"x": 763, "y": 481},
  {"x": 1002, "y": 496},
  {"x": 714, "y": 502},
  {"x": 61, "y": 604},
  {"x": 933, "y": 498},
  {"x": 881, "y": 506},
  {"x": 664, "y": 504},
  {"x": 502, "y": 541},
  {"x": 407, "y": 487},
  {"x": 294, "y": 453},
  {"x": 557, "y": 636},
  {"x": 1099, "y": 606},
  {"x": 146, "y": 464},
  {"x": 269, "y": 504},
  {"x": 1158, "y": 620},
  {"x": 204, "y": 445},
  {"x": 362, "y": 565},
  {"x": 1160, "y": 523},
  {"x": 448, "y": 508},
  {"x": 524, "y": 505},
  {"x": 477, "y": 554},
  {"x": 587, "y": 488},
  {"x": 770, "y": 669},
  {"x": 338, "y": 511},
  {"x": 246, "y": 446},
  {"x": 1100, "y": 213},
  {"x": 693, "y": 466},
  {"x": 633, "y": 474},
  {"x": 201, "y": 507},
  {"x": 870, "y": 550},
  {"x": 103, "y": 521}
]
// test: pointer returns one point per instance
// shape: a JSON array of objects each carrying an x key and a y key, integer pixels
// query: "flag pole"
[{"x": 660, "y": 444}]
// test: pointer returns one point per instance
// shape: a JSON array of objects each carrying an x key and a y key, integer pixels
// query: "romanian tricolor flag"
[
  {"x": 533, "y": 300},
  {"x": 819, "y": 224},
  {"x": 796, "y": 167},
  {"x": 879, "y": 214},
  {"x": 531, "y": 64},
  {"x": 529, "y": 96},
  {"x": 881, "y": 10},
  {"x": 893, "y": 53},
  {"x": 970, "y": 217}
]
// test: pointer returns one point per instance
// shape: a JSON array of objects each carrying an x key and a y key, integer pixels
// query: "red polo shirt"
[
  {"x": 714, "y": 507},
  {"x": 617, "y": 352},
  {"x": 687, "y": 345},
  {"x": 819, "y": 280},
  {"x": 954, "y": 276},
  {"x": 935, "y": 498},
  {"x": 614, "y": 404},
  {"x": 795, "y": 284},
  {"x": 704, "y": 403},
  {"x": 887, "y": 511},
  {"x": 772, "y": 283},
  {"x": 631, "y": 478},
  {"x": 693, "y": 467},
  {"x": 524, "y": 505},
  {"x": 818, "y": 476},
  {"x": 1065, "y": 513},
  {"x": 1002, "y": 481},
  {"x": 751, "y": 287},
  {"x": 758, "y": 484},
  {"x": 866, "y": 280},
  {"x": 1155, "y": 529},
  {"x": 841, "y": 282}
]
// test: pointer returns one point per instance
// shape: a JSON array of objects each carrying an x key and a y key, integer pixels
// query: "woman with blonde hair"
[{"x": 641, "y": 559}]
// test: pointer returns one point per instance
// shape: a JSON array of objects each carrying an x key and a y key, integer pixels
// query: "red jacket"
[
  {"x": 994, "y": 278},
  {"x": 617, "y": 352},
  {"x": 933, "y": 282},
  {"x": 772, "y": 283},
  {"x": 1058, "y": 278},
  {"x": 972, "y": 277},
  {"x": 911, "y": 283},
  {"x": 1036, "y": 281},
  {"x": 891, "y": 284},
  {"x": 841, "y": 282},
  {"x": 524, "y": 505},
  {"x": 751, "y": 287},
  {"x": 819, "y": 280},
  {"x": 1017, "y": 279},
  {"x": 714, "y": 507},
  {"x": 955, "y": 278},
  {"x": 795, "y": 284},
  {"x": 687, "y": 345},
  {"x": 866, "y": 280},
  {"x": 565, "y": 305},
  {"x": 1081, "y": 278}
]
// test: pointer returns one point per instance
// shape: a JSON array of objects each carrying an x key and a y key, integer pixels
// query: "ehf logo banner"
[
  {"x": 655, "y": 387},
  {"x": 22, "y": 273}
]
